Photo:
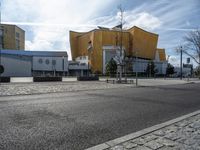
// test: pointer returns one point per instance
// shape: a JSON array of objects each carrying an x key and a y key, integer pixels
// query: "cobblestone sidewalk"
[
  {"x": 182, "y": 135},
  {"x": 52, "y": 87},
  {"x": 7, "y": 89}
]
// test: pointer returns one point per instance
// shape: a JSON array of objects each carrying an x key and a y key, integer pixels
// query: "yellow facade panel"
[
  {"x": 162, "y": 55},
  {"x": 74, "y": 43},
  {"x": 97, "y": 53},
  {"x": 143, "y": 43}
]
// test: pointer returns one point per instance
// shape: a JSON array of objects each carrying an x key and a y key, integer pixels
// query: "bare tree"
[
  {"x": 192, "y": 45},
  {"x": 120, "y": 65}
]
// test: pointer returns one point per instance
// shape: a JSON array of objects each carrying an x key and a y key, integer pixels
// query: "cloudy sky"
[{"x": 47, "y": 22}]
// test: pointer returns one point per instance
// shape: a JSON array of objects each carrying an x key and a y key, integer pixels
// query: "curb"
[{"x": 137, "y": 134}]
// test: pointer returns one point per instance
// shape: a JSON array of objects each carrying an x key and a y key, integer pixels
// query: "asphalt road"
[{"x": 78, "y": 120}]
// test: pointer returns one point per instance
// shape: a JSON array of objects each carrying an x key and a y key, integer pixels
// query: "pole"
[
  {"x": 1, "y": 41},
  {"x": 125, "y": 67},
  {"x": 88, "y": 66},
  {"x": 181, "y": 66},
  {"x": 136, "y": 71}
]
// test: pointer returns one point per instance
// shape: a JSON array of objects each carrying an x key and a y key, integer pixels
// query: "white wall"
[
  {"x": 110, "y": 52},
  {"x": 185, "y": 71},
  {"x": 46, "y": 63},
  {"x": 140, "y": 65},
  {"x": 16, "y": 66},
  {"x": 82, "y": 59}
]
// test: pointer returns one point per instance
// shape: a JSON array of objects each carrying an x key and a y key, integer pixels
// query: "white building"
[
  {"x": 186, "y": 72},
  {"x": 138, "y": 65}
]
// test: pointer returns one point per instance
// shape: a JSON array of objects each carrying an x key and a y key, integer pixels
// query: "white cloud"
[
  {"x": 49, "y": 21},
  {"x": 174, "y": 60},
  {"x": 38, "y": 45},
  {"x": 143, "y": 19},
  {"x": 131, "y": 18}
]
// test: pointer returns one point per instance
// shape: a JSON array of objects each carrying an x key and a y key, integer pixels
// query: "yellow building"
[
  {"x": 12, "y": 37},
  {"x": 94, "y": 45},
  {"x": 161, "y": 53}
]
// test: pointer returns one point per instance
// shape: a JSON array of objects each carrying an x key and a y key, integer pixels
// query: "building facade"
[
  {"x": 12, "y": 37},
  {"x": 100, "y": 45},
  {"x": 34, "y": 63}
]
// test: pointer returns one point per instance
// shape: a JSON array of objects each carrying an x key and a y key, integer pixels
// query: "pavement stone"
[
  {"x": 166, "y": 142},
  {"x": 129, "y": 145},
  {"x": 142, "y": 148},
  {"x": 154, "y": 145},
  {"x": 139, "y": 141}
]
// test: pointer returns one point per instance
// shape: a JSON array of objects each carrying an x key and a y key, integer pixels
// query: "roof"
[
  {"x": 141, "y": 30},
  {"x": 99, "y": 29},
  {"x": 13, "y": 25},
  {"x": 35, "y": 53},
  {"x": 111, "y": 30}
]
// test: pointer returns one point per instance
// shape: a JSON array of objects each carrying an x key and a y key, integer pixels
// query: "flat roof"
[
  {"x": 13, "y": 25},
  {"x": 35, "y": 53}
]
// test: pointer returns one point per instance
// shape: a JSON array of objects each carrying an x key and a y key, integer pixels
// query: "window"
[
  {"x": 47, "y": 61},
  {"x": 1, "y": 38},
  {"x": 17, "y": 44},
  {"x": 1, "y": 32},
  {"x": 40, "y": 61},
  {"x": 54, "y": 62},
  {"x": 82, "y": 64},
  {"x": 17, "y": 34}
]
